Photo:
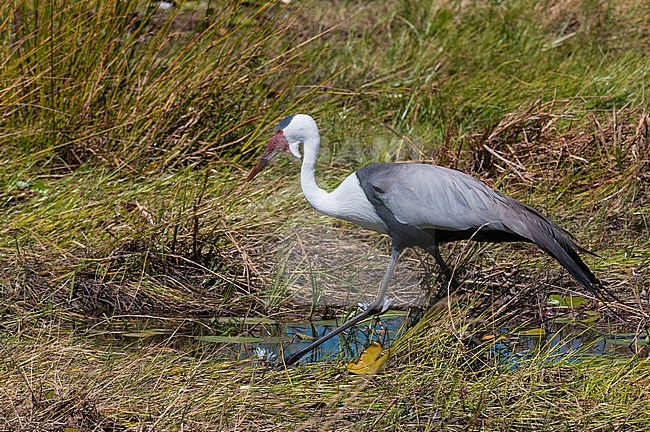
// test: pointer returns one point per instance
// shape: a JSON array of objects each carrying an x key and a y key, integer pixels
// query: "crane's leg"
[
  {"x": 435, "y": 251},
  {"x": 375, "y": 308}
]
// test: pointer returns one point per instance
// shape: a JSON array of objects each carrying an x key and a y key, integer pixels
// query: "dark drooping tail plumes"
[{"x": 557, "y": 242}]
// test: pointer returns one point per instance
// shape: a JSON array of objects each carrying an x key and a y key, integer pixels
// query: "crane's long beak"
[
  {"x": 277, "y": 144},
  {"x": 264, "y": 161}
]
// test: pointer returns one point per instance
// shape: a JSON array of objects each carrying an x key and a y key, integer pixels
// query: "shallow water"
[
  {"x": 349, "y": 345},
  {"x": 565, "y": 342},
  {"x": 557, "y": 341},
  {"x": 267, "y": 340}
]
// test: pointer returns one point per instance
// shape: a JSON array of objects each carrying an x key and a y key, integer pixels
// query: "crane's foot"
[{"x": 378, "y": 308}]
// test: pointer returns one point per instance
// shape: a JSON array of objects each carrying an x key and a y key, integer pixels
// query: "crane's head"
[{"x": 289, "y": 134}]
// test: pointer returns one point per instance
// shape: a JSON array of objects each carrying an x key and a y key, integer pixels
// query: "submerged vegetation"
[{"x": 127, "y": 228}]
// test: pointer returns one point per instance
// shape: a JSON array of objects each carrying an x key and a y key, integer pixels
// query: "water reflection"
[
  {"x": 563, "y": 342},
  {"x": 566, "y": 342},
  {"x": 268, "y": 340},
  {"x": 348, "y": 345}
]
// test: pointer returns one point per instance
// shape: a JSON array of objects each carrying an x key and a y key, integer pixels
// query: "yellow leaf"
[
  {"x": 369, "y": 362},
  {"x": 491, "y": 337}
]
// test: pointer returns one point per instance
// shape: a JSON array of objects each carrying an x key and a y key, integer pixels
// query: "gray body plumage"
[{"x": 425, "y": 205}]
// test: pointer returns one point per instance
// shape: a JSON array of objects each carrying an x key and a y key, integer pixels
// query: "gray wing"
[{"x": 430, "y": 196}]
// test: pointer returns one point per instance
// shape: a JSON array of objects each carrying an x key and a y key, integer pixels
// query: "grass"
[{"x": 127, "y": 132}]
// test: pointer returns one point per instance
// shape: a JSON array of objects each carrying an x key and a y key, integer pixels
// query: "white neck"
[
  {"x": 317, "y": 197},
  {"x": 348, "y": 201}
]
